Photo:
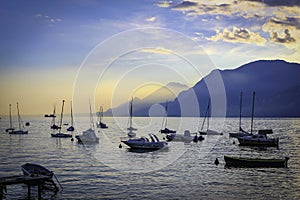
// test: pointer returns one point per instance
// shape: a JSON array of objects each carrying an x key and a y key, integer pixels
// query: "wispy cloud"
[
  {"x": 48, "y": 19},
  {"x": 151, "y": 19},
  {"x": 156, "y": 51}
]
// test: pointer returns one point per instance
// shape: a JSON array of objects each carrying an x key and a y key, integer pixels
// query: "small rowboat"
[
  {"x": 255, "y": 162},
  {"x": 30, "y": 169}
]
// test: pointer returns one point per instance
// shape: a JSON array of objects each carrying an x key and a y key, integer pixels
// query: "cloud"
[
  {"x": 278, "y": 2},
  {"x": 164, "y": 4},
  {"x": 185, "y": 4},
  {"x": 151, "y": 19},
  {"x": 48, "y": 19},
  {"x": 156, "y": 51},
  {"x": 286, "y": 39},
  {"x": 285, "y": 31},
  {"x": 242, "y": 35}
]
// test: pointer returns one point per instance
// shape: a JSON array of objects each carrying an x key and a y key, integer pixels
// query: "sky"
[{"x": 108, "y": 51}]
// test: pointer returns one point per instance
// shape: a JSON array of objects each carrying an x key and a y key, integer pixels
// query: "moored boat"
[
  {"x": 165, "y": 122},
  {"x": 30, "y": 169},
  {"x": 207, "y": 117},
  {"x": 145, "y": 143},
  {"x": 60, "y": 134},
  {"x": 89, "y": 136},
  {"x": 21, "y": 126},
  {"x": 130, "y": 127},
  {"x": 101, "y": 124},
  {"x": 186, "y": 137},
  {"x": 255, "y": 162},
  {"x": 258, "y": 140}
]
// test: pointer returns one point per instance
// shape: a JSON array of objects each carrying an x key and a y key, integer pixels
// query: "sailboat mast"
[
  {"x": 241, "y": 100},
  {"x": 19, "y": 120},
  {"x": 208, "y": 114},
  {"x": 91, "y": 117},
  {"x": 101, "y": 114},
  {"x": 10, "y": 120},
  {"x": 166, "y": 120},
  {"x": 130, "y": 112},
  {"x": 253, "y": 99},
  {"x": 61, "y": 115},
  {"x": 72, "y": 122}
]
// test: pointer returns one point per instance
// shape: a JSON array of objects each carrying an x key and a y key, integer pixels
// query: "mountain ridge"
[{"x": 276, "y": 83}]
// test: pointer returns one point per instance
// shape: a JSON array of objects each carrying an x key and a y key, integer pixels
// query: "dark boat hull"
[
  {"x": 61, "y": 135},
  {"x": 20, "y": 132},
  {"x": 30, "y": 169},
  {"x": 269, "y": 143},
  {"x": 255, "y": 162},
  {"x": 166, "y": 130}
]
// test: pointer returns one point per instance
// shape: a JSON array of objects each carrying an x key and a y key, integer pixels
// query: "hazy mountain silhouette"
[
  {"x": 276, "y": 83},
  {"x": 141, "y": 106}
]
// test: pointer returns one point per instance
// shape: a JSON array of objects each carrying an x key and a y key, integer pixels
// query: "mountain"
[
  {"x": 141, "y": 106},
  {"x": 276, "y": 83}
]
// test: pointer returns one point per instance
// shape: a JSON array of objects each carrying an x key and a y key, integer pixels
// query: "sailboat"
[
  {"x": 130, "y": 128},
  {"x": 89, "y": 136},
  {"x": 71, "y": 128},
  {"x": 165, "y": 122},
  {"x": 206, "y": 117},
  {"x": 53, "y": 125},
  {"x": 241, "y": 132},
  {"x": 10, "y": 121},
  {"x": 100, "y": 124},
  {"x": 60, "y": 134},
  {"x": 20, "y": 131},
  {"x": 259, "y": 139}
]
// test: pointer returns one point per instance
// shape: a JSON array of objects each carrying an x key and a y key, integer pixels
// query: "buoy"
[
  {"x": 27, "y": 124},
  {"x": 120, "y": 146},
  {"x": 217, "y": 162},
  {"x": 72, "y": 139}
]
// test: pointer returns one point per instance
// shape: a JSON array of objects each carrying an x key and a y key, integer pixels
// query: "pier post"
[
  {"x": 1, "y": 192},
  {"x": 28, "y": 191},
  {"x": 39, "y": 191}
]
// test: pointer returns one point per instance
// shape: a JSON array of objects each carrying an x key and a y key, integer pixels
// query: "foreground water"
[{"x": 182, "y": 171}]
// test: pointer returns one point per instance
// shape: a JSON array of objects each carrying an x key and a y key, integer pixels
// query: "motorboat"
[
  {"x": 144, "y": 143},
  {"x": 186, "y": 137}
]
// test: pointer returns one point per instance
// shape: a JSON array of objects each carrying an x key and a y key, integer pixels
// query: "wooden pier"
[{"x": 24, "y": 179}]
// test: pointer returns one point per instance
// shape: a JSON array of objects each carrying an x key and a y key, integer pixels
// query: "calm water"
[{"x": 182, "y": 171}]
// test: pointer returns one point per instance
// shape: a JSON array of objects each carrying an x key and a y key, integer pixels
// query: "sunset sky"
[{"x": 108, "y": 51}]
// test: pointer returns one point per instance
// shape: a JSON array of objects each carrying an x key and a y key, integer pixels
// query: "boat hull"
[
  {"x": 146, "y": 145},
  {"x": 166, "y": 130},
  {"x": 255, "y": 162},
  {"x": 266, "y": 143},
  {"x": 30, "y": 169},
  {"x": 61, "y": 135},
  {"x": 19, "y": 132}
]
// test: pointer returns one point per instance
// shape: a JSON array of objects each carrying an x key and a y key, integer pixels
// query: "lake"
[{"x": 182, "y": 171}]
